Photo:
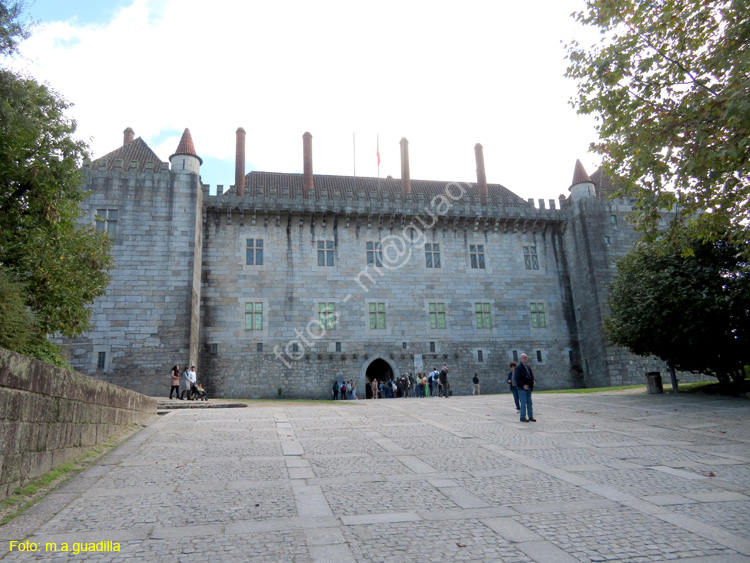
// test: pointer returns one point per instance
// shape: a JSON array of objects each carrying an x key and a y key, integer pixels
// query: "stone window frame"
[
  {"x": 538, "y": 311},
  {"x": 539, "y": 356},
  {"x": 255, "y": 250},
  {"x": 331, "y": 319},
  {"x": 477, "y": 256},
  {"x": 101, "y": 349},
  {"x": 369, "y": 315},
  {"x": 266, "y": 316},
  {"x": 105, "y": 221},
  {"x": 373, "y": 254},
  {"x": 530, "y": 257},
  {"x": 433, "y": 311},
  {"x": 432, "y": 253},
  {"x": 242, "y": 252},
  {"x": 485, "y": 311},
  {"x": 326, "y": 249}
]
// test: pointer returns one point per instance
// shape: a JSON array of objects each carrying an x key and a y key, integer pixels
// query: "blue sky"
[{"x": 444, "y": 76}]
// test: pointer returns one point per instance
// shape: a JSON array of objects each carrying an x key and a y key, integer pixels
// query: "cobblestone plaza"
[{"x": 599, "y": 477}]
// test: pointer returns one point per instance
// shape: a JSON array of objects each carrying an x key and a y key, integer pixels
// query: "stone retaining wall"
[{"x": 50, "y": 415}]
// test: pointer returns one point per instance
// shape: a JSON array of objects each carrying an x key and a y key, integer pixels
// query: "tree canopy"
[
  {"x": 669, "y": 85},
  {"x": 60, "y": 264},
  {"x": 692, "y": 311}
]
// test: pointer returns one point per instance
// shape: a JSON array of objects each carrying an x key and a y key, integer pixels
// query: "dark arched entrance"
[{"x": 380, "y": 370}]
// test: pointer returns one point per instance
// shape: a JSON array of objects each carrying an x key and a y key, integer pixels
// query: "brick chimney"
[
  {"x": 481, "y": 176},
  {"x": 405, "y": 176},
  {"x": 127, "y": 136},
  {"x": 239, "y": 163},
  {"x": 307, "y": 167}
]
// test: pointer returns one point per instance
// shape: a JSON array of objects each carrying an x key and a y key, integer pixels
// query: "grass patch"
[{"x": 27, "y": 496}]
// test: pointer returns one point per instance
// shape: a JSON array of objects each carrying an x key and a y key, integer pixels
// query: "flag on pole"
[{"x": 378, "y": 145}]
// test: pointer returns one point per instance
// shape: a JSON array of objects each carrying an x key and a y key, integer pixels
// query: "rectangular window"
[
  {"x": 254, "y": 252},
  {"x": 476, "y": 256},
  {"x": 437, "y": 315},
  {"x": 374, "y": 254},
  {"x": 613, "y": 219},
  {"x": 106, "y": 220},
  {"x": 214, "y": 349},
  {"x": 482, "y": 312},
  {"x": 325, "y": 253},
  {"x": 606, "y": 241},
  {"x": 338, "y": 346},
  {"x": 377, "y": 316},
  {"x": 259, "y": 347},
  {"x": 432, "y": 255},
  {"x": 101, "y": 360},
  {"x": 295, "y": 347},
  {"x": 515, "y": 356},
  {"x": 432, "y": 346},
  {"x": 403, "y": 345},
  {"x": 253, "y": 316},
  {"x": 538, "y": 319},
  {"x": 327, "y": 315},
  {"x": 530, "y": 259},
  {"x": 539, "y": 356},
  {"x": 480, "y": 356}
]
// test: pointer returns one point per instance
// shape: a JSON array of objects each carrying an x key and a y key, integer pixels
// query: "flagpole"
[{"x": 378, "y": 145}]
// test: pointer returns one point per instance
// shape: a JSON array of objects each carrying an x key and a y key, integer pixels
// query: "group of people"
[
  {"x": 521, "y": 381},
  {"x": 346, "y": 390},
  {"x": 421, "y": 385},
  {"x": 185, "y": 385}
]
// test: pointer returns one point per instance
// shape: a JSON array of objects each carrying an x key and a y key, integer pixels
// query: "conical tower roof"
[
  {"x": 186, "y": 146},
  {"x": 579, "y": 175}
]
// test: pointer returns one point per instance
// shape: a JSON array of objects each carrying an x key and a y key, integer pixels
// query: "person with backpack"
[{"x": 525, "y": 381}]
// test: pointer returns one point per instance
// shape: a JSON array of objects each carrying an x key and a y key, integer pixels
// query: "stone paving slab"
[{"x": 599, "y": 478}]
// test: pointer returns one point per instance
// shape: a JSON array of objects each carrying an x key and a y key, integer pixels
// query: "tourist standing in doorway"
[
  {"x": 475, "y": 381},
  {"x": 175, "y": 382},
  {"x": 525, "y": 382},
  {"x": 512, "y": 384},
  {"x": 374, "y": 387}
]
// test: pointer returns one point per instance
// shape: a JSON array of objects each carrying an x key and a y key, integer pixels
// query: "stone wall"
[
  {"x": 290, "y": 286},
  {"x": 147, "y": 321},
  {"x": 49, "y": 416}
]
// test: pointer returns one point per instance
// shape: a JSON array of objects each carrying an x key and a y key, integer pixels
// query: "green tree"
[
  {"x": 61, "y": 264},
  {"x": 668, "y": 82},
  {"x": 693, "y": 311}
]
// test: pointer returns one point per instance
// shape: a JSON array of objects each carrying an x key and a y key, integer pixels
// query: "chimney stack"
[
  {"x": 481, "y": 176},
  {"x": 127, "y": 136},
  {"x": 239, "y": 163},
  {"x": 405, "y": 176},
  {"x": 307, "y": 168}
]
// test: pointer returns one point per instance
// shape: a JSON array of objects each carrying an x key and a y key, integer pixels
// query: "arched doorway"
[{"x": 378, "y": 369}]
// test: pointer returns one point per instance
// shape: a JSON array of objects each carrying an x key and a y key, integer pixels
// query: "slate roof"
[
  {"x": 344, "y": 187},
  {"x": 136, "y": 150}
]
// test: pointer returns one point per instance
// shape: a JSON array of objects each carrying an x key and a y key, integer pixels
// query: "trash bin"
[{"x": 653, "y": 382}]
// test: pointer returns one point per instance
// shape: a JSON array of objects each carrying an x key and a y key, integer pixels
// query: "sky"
[{"x": 445, "y": 75}]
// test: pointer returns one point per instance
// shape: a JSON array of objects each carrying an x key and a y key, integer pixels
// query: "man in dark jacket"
[
  {"x": 444, "y": 380},
  {"x": 524, "y": 378}
]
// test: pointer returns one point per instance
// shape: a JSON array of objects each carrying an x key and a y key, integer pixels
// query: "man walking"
[
  {"x": 524, "y": 377},
  {"x": 475, "y": 381}
]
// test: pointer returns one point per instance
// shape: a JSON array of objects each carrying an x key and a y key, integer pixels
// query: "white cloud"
[{"x": 444, "y": 75}]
